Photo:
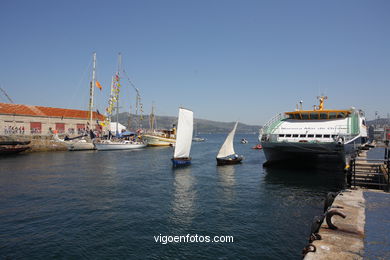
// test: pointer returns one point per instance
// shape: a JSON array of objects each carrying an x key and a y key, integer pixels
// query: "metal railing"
[{"x": 375, "y": 172}]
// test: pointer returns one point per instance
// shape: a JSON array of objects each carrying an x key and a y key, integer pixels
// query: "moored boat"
[
  {"x": 305, "y": 135},
  {"x": 106, "y": 145},
  {"x": 226, "y": 154},
  {"x": 161, "y": 138},
  {"x": 181, "y": 155},
  {"x": 13, "y": 147}
]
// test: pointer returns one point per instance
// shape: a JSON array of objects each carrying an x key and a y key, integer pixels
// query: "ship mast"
[
  {"x": 117, "y": 101},
  {"x": 91, "y": 91}
]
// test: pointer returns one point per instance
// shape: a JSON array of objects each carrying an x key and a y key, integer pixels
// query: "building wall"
[{"x": 67, "y": 125}]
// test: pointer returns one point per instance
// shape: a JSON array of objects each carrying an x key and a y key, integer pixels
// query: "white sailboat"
[
  {"x": 83, "y": 142},
  {"x": 181, "y": 156},
  {"x": 226, "y": 154},
  {"x": 105, "y": 145}
]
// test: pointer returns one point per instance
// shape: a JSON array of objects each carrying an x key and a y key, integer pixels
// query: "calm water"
[{"x": 111, "y": 204}]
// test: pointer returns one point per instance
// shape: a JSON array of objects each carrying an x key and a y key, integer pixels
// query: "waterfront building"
[{"x": 39, "y": 120}]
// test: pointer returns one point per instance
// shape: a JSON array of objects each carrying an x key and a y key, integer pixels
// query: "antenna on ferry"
[{"x": 300, "y": 104}]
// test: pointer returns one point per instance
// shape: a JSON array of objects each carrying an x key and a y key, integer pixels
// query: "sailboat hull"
[
  {"x": 178, "y": 162},
  {"x": 229, "y": 161},
  {"x": 118, "y": 146}
]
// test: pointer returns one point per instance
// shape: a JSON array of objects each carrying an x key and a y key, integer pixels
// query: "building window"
[{"x": 35, "y": 127}]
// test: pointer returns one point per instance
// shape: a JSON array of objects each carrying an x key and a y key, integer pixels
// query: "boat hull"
[
  {"x": 158, "y": 141},
  {"x": 302, "y": 152},
  {"x": 179, "y": 162},
  {"x": 229, "y": 161},
  {"x": 80, "y": 146},
  {"x": 118, "y": 146},
  {"x": 12, "y": 150}
]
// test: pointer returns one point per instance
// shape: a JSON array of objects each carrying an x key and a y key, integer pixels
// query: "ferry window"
[
  {"x": 310, "y": 136},
  {"x": 326, "y": 136},
  {"x": 323, "y": 116},
  {"x": 332, "y": 115},
  {"x": 288, "y": 135},
  {"x": 318, "y": 136},
  {"x": 305, "y": 116},
  {"x": 302, "y": 135},
  {"x": 291, "y": 116},
  {"x": 340, "y": 115},
  {"x": 313, "y": 115},
  {"x": 334, "y": 136},
  {"x": 280, "y": 135},
  {"x": 295, "y": 135}
]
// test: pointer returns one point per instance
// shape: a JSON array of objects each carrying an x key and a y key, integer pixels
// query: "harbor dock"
[
  {"x": 38, "y": 143},
  {"x": 355, "y": 223},
  {"x": 363, "y": 232}
]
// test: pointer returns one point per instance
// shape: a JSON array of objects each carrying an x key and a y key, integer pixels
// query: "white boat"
[
  {"x": 161, "y": 138},
  {"x": 307, "y": 135},
  {"x": 104, "y": 145},
  {"x": 80, "y": 145},
  {"x": 181, "y": 155},
  {"x": 118, "y": 145},
  {"x": 198, "y": 139},
  {"x": 226, "y": 154}
]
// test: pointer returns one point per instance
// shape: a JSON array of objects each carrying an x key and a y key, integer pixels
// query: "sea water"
[{"x": 125, "y": 204}]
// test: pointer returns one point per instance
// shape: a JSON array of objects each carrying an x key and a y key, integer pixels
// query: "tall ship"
[{"x": 308, "y": 135}]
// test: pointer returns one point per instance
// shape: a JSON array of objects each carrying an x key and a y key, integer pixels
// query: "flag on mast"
[{"x": 98, "y": 85}]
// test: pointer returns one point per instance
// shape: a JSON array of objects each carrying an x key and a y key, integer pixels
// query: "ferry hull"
[{"x": 302, "y": 152}]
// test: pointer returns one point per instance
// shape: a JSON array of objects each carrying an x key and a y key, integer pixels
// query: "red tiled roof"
[{"x": 25, "y": 110}]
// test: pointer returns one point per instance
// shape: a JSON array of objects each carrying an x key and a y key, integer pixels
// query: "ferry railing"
[{"x": 267, "y": 127}]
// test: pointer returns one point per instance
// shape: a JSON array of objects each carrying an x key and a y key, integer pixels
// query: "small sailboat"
[
  {"x": 226, "y": 154},
  {"x": 196, "y": 138},
  {"x": 181, "y": 156}
]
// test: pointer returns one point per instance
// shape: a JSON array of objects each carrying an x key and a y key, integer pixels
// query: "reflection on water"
[
  {"x": 226, "y": 177},
  {"x": 322, "y": 177},
  {"x": 184, "y": 196}
]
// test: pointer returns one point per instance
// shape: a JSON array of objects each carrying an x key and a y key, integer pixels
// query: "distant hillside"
[{"x": 200, "y": 125}]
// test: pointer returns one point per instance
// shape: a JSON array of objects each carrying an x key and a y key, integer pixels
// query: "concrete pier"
[
  {"x": 346, "y": 242},
  {"x": 359, "y": 235},
  {"x": 39, "y": 143}
]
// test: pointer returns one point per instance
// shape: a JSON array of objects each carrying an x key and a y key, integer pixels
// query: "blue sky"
[{"x": 226, "y": 60}]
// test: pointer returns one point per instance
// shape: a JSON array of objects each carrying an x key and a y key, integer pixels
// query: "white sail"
[
  {"x": 227, "y": 147},
  {"x": 184, "y": 133}
]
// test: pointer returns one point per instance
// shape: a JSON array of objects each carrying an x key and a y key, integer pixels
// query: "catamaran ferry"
[{"x": 313, "y": 134}]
